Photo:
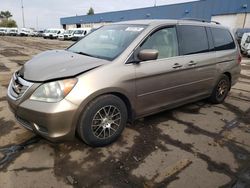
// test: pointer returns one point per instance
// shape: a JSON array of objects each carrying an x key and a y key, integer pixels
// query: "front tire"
[
  {"x": 220, "y": 90},
  {"x": 103, "y": 121}
]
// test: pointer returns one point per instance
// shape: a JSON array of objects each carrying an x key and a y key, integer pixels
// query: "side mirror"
[{"x": 148, "y": 54}]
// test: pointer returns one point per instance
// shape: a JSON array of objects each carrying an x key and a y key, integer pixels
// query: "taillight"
[{"x": 239, "y": 58}]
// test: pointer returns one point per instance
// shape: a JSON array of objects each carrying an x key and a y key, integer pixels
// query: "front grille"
[{"x": 18, "y": 87}]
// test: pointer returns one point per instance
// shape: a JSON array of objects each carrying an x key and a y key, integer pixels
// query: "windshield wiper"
[
  {"x": 83, "y": 53},
  {"x": 95, "y": 56}
]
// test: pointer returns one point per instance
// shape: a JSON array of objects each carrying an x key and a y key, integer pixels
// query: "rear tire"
[
  {"x": 103, "y": 121},
  {"x": 220, "y": 90}
]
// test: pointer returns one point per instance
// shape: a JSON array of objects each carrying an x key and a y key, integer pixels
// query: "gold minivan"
[{"x": 122, "y": 72}]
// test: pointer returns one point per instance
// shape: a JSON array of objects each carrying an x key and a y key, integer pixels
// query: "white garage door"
[{"x": 226, "y": 20}]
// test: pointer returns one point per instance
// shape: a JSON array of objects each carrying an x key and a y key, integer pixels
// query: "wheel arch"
[
  {"x": 119, "y": 94},
  {"x": 228, "y": 74}
]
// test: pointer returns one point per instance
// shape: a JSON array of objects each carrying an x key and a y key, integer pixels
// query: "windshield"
[
  {"x": 107, "y": 42},
  {"x": 69, "y": 31},
  {"x": 240, "y": 32},
  {"x": 53, "y": 31},
  {"x": 248, "y": 39},
  {"x": 78, "y": 32}
]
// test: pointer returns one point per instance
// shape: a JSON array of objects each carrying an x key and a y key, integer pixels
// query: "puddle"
[
  {"x": 9, "y": 153},
  {"x": 6, "y": 126},
  {"x": 240, "y": 184}
]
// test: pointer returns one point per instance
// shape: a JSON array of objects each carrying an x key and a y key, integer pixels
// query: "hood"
[{"x": 55, "y": 64}]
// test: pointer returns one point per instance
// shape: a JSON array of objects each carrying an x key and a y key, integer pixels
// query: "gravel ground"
[{"x": 196, "y": 145}]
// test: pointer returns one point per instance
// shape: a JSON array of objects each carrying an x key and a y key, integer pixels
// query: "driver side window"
[{"x": 163, "y": 40}]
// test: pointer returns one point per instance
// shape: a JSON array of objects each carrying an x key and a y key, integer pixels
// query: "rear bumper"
[{"x": 53, "y": 121}]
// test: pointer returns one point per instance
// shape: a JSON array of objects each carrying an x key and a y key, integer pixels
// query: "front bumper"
[{"x": 53, "y": 121}]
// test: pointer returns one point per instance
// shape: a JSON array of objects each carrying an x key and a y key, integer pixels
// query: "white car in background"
[
  {"x": 25, "y": 32},
  {"x": 61, "y": 36},
  {"x": 13, "y": 32},
  {"x": 245, "y": 44},
  {"x": 80, "y": 33},
  {"x": 68, "y": 34},
  {"x": 52, "y": 33},
  {"x": 3, "y": 31}
]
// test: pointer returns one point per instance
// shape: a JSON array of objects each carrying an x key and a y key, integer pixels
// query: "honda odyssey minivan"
[{"x": 122, "y": 72}]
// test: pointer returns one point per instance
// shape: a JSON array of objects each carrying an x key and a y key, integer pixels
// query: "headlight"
[{"x": 54, "y": 91}]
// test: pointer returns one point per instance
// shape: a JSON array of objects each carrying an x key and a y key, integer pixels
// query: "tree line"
[{"x": 5, "y": 19}]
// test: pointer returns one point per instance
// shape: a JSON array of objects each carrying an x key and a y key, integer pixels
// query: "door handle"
[
  {"x": 191, "y": 63},
  {"x": 177, "y": 65}
]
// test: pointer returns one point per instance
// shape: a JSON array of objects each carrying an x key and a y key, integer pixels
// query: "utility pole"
[
  {"x": 23, "y": 13},
  {"x": 37, "y": 23},
  {"x": 245, "y": 16},
  {"x": 155, "y": 3}
]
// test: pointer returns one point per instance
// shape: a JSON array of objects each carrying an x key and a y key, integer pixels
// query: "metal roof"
[{"x": 203, "y": 9}]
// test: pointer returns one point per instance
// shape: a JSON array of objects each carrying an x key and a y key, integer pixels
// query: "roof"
[{"x": 204, "y": 9}]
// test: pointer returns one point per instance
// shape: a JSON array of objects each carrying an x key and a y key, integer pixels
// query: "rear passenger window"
[
  {"x": 222, "y": 39},
  {"x": 192, "y": 39},
  {"x": 165, "y": 41}
]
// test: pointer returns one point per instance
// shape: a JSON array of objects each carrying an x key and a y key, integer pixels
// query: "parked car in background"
[
  {"x": 68, "y": 34},
  {"x": 239, "y": 33},
  {"x": 61, "y": 36},
  {"x": 13, "y": 32},
  {"x": 245, "y": 44},
  {"x": 25, "y": 32},
  {"x": 52, "y": 33},
  {"x": 34, "y": 34},
  {"x": 40, "y": 33},
  {"x": 3, "y": 31},
  {"x": 122, "y": 72},
  {"x": 80, "y": 33}
]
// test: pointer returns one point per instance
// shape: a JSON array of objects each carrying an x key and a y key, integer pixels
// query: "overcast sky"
[{"x": 47, "y": 13}]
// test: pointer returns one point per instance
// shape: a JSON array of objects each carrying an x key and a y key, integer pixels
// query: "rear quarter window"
[{"x": 223, "y": 39}]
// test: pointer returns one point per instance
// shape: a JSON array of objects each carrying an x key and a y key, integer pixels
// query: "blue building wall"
[{"x": 203, "y": 9}]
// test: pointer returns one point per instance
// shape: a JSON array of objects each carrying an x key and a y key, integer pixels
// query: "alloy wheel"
[{"x": 106, "y": 122}]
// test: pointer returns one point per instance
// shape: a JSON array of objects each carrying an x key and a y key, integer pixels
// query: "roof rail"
[{"x": 201, "y": 20}]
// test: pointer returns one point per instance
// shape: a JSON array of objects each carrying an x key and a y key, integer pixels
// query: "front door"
[{"x": 159, "y": 82}]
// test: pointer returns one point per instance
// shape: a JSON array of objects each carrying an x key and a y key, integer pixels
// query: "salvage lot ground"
[{"x": 197, "y": 145}]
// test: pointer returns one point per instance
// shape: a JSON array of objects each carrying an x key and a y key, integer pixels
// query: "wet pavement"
[{"x": 196, "y": 145}]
